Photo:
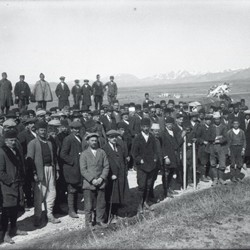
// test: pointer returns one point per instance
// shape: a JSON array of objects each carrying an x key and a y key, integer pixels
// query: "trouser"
[
  {"x": 167, "y": 176},
  {"x": 62, "y": 103},
  {"x": 42, "y": 104},
  {"x": 45, "y": 192},
  {"x": 28, "y": 186},
  {"x": 61, "y": 189},
  {"x": 77, "y": 101},
  {"x": 73, "y": 190},
  {"x": 7, "y": 108},
  {"x": 236, "y": 157},
  {"x": 218, "y": 156},
  {"x": 111, "y": 99},
  {"x": 144, "y": 181},
  {"x": 98, "y": 101},
  {"x": 9, "y": 214},
  {"x": 94, "y": 199},
  {"x": 22, "y": 104}
]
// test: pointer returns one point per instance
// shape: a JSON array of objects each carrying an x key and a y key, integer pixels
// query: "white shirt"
[
  {"x": 62, "y": 83},
  {"x": 126, "y": 122},
  {"x": 170, "y": 132},
  {"x": 33, "y": 133},
  {"x": 236, "y": 131},
  {"x": 193, "y": 123},
  {"x": 93, "y": 151},
  {"x": 180, "y": 127},
  {"x": 247, "y": 123},
  {"x": 113, "y": 147},
  {"x": 145, "y": 136},
  {"x": 78, "y": 139}
]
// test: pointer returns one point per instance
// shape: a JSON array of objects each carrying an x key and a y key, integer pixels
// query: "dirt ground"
[{"x": 235, "y": 229}]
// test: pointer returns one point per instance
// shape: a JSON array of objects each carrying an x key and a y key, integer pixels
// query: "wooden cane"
[
  {"x": 184, "y": 158},
  {"x": 194, "y": 165}
]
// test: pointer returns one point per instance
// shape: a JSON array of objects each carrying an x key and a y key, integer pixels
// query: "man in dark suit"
[
  {"x": 76, "y": 91},
  {"x": 86, "y": 95},
  {"x": 117, "y": 187},
  {"x": 70, "y": 154},
  {"x": 94, "y": 167},
  {"x": 112, "y": 90},
  {"x": 145, "y": 156},
  {"x": 98, "y": 92},
  {"x": 62, "y": 92},
  {"x": 11, "y": 179},
  {"x": 108, "y": 120}
]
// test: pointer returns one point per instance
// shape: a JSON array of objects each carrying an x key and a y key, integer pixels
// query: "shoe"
[
  {"x": 80, "y": 212},
  {"x": 20, "y": 232},
  {"x": 204, "y": 179},
  {"x": 53, "y": 220},
  {"x": 8, "y": 239},
  {"x": 113, "y": 219},
  {"x": 14, "y": 231},
  {"x": 101, "y": 225},
  {"x": 208, "y": 178},
  {"x": 222, "y": 182},
  {"x": 37, "y": 221},
  {"x": 72, "y": 214},
  {"x": 172, "y": 192},
  {"x": 215, "y": 182},
  {"x": 89, "y": 225},
  {"x": 239, "y": 180},
  {"x": 147, "y": 207}
]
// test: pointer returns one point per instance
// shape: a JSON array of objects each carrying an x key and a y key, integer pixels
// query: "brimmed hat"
[
  {"x": 41, "y": 124},
  {"x": 122, "y": 125},
  {"x": 169, "y": 119},
  {"x": 62, "y": 77},
  {"x": 179, "y": 115},
  {"x": 30, "y": 120},
  {"x": 75, "y": 124},
  {"x": 112, "y": 132},
  {"x": 90, "y": 135},
  {"x": 41, "y": 113},
  {"x": 9, "y": 123},
  {"x": 56, "y": 123},
  {"x": 10, "y": 134},
  {"x": 155, "y": 126},
  {"x": 145, "y": 122}
]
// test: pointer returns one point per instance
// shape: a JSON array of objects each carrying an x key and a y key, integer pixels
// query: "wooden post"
[
  {"x": 194, "y": 165},
  {"x": 184, "y": 158}
]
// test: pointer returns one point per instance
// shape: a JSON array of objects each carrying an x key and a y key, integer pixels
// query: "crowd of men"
[{"x": 53, "y": 156}]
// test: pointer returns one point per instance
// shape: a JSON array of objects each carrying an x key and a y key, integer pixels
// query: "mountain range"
[{"x": 128, "y": 80}]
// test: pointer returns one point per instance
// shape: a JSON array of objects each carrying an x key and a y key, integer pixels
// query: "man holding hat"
[
  {"x": 11, "y": 180},
  {"x": 41, "y": 156},
  {"x": 42, "y": 92},
  {"x": 117, "y": 186},
  {"x": 62, "y": 92},
  {"x": 22, "y": 93},
  {"x": 76, "y": 91},
  {"x": 70, "y": 154},
  {"x": 145, "y": 156},
  {"x": 5, "y": 93},
  {"x": 86, "y": 95},
  {"x": 94, "y": 167},
  {"x": 112, "y": 90}
]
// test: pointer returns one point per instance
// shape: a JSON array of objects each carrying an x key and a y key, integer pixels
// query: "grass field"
[{"x": 218, "y": 217}]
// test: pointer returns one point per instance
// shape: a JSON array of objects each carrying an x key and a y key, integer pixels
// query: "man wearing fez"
[
  {"x": 62, "y": 92},
  {"x": 5, "y": 94},
  {"x": 144, "y": 154},
  {"x": 86, "y": 95},
  {"x": 11, "y": 177},
  {"x": 98, "y": 92},
  {"x": 94, "y": 167},
  {"x": 42, "y": 92},
  {"x": 22, "y": 93},
  {"x": 76, "y": 91},
  {"x": 70, "y": 154},
  {"x": 117, "y": 187},
  {"x": 112, "y": 90},
  {"x": 40, "y": 155}
]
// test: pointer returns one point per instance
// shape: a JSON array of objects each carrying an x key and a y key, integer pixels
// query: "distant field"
[{"x": 188, "y": 91}]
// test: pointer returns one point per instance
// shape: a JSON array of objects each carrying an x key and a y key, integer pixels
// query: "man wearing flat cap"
[
  {"x": 22, "y": 93},
  {"x": 94, "y": 167},
  {"x": 98, "y": 92},
  {"x": 40, "y": 156},
  {"x": 11, "y": 180},
  {"x": 70, "y": 155},
  {"x": 108, "y": 120},
  {"x": 86, "y": 94},
  {"x": 144, "y": 153},
  {"x": 112, "y": 90},
  {"x": 62, "y": 92},
  {"x": 6, "y": 99},
  {"x": 42, "y": 92},
  {"x": 117, "y": 186}
]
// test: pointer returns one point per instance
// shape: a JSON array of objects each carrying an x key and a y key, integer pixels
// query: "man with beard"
[
  {"x": 117, "y": 187},
  {"x": 70, "y": 154},
  {"x": 94, "y": 167}
]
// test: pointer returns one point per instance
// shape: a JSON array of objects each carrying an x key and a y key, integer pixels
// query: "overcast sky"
[{"x": 79, "y": 39}]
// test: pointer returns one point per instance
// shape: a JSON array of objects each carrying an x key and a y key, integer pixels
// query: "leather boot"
[
  {"x": 232, "y": 173},
  {"x": 71, "y": 212},
  {"x": 8, "y": 239},
  {"x": 146, "y": 205}
]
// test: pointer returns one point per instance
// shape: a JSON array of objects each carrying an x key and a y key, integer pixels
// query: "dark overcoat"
[
  {"x": 70, "y": 154},
  {"x": 108, "y": 125},
  {"x": 6, "y": 99},
  {"x": 11, "y": 177},
  {"x": 63, "y": 95},
  {"x": 86, "y": 95},
  {"x": 145, "y": 151},
  {"x": 247, "y": 134},
  {"x": 118, "y": 168},
  {"x": 22, "y": 90}
]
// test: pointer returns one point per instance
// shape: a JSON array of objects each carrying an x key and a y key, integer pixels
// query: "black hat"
[
  {"x": 169, "y": 119},
  {"x": 179, "y": 115},
  {"x": 171, "y": 101},
  {"x": 30, "y": 111},
  {"x": 157, "y": 106},
  {"x": 110, "y": 109},
  {"x": 138, "y": 106},
  {"x": 65, "y": 123},
  {"x": 162, "y": 101},
  {"x": 225, "y": 112},
  {"x": 167, "y": 110},
  {"x": 11, "y": 114},
  {"x": 85, "y": 110},
  {"x": 53, "y": 109},
  {"x": 124, "y": 113},
  {"x": 41, "y": 124},
  {"x": 77, "y": 81},
  {"x": 145, "y": 122},
  {"x": 177, "y": 106},
  {"x": 24, "y": 112},
  {"x": 96, "y": 112},
  {"x": 86, "y": 80},
  {"x": 30, "y": 120},
  {"x": 132, "y": 104},
  {"x": 10, "y": 134}
]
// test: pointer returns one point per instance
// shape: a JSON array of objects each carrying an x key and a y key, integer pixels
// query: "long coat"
[
  {"x": 11, "y": 177},
  {"x": 86, "y": 95},
  {"x": 41, "y": 94},
  {"x": 145, "y": 151},
  {"x": 63, "y": 95},
  {"x": 70, "y": 155},
  {"x": 108, "y": 125},
  {"x": 6, "y": 99},
  {"x": 94, "y": 167},
  {"x": 118, "y": 168},
  {"x": 22, "y": 90},
  {"x": 76, "y": 91}
]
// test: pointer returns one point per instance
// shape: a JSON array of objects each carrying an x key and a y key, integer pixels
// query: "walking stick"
[
  {"x": 110, "y": 205},
  {"x": 194, "y": 165},
  {"x": 184, "y": 158}
]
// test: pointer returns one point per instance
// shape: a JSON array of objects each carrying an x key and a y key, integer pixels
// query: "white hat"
[
  {"x": 9, "y": 123},
  {"x": 155, "y": 126},
  {"x": 54, "y": 123},
  {"x": 41, "y": 112},
  {"x": 216, "y": 115},
  {"x": 131, "y": 109},
  {"x": 247, "y": 112}
]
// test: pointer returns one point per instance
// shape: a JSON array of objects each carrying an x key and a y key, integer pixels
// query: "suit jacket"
[
  {"x": 22, "y": 90},
  {"x": 77, "y": 92},
  {"x": 70, "y": 155},
  {"x": 86, "y": 95},
  {"x": 24, "y": 138},
  {"x": 62, "y": 94},
  {"x": 107, "y": 124},
  {"x": 94, "y": 167},
  {"x": 134, "y": 125},
  {"x": 11, "y": 176},
  {"x": 35, "y": 158},
  {"x": 145, "y": 151}
]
